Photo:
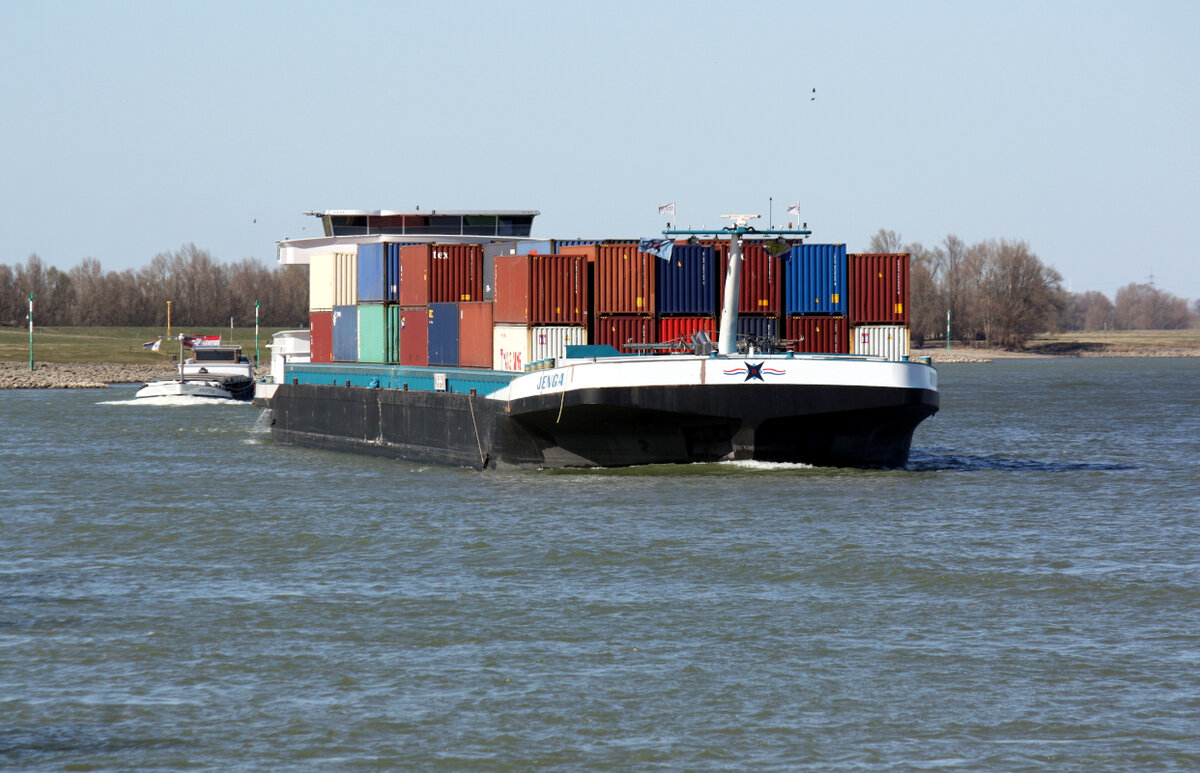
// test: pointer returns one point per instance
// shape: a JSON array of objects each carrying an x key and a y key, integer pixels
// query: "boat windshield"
[{"x": 212, "y": 354}]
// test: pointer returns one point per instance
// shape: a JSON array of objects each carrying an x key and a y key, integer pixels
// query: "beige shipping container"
[
  {"x": 345, "y": 279},
  {"x": 888, "y": 341},
  {"x": 516, "y": 346},
  {"x": 320, "y": 282}
]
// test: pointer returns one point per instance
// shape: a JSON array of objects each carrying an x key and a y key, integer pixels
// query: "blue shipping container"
[
  {"x": 443, "y": 334},
  {"x": 815, "y": 279},
  {"x": 392, "y": 269},
  {"x": 760, "y": 327},
  {"x": 371, "y": 286},
  {"x": 345, "y": 333},
  {"x": 378, "y": 272},
  {"x": 687, "y": 283},
  {"x": 535, "y": 246}
]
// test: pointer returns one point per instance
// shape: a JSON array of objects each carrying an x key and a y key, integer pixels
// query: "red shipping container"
[
  {"x": 624, "y": 277},
  {"x": 541, "y": 289},
  {"x": 762, "y": 280},
  {"x": 320, "y": 336},
  {"x": 818, "y": 334},
  {"x": 475, "y": 335},
  {"x": 878, "y": 288},
  {"x": 440, "y": 273},
  {"x": 621, "y": 329},
  {"x": 414, "y": 337},
  {"x": 671, "y": 328}
]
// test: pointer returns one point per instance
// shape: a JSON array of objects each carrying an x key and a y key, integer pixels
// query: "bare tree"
[
  {"x": 1020, "y": 294},
  {"x": 9, "y": 296},
  {"x": 1145, "y": 307},
  {"x": 1091, "y": 310},
  {"x": 925, "y": 302},
  {"x": 885, "y": 243}
]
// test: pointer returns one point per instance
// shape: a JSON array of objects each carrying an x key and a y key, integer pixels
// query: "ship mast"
[{"x": 727, "y": 336}]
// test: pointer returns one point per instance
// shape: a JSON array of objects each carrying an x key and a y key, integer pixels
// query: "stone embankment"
[
  {"x": 1046, "y": 352},
  {"x": 78, "y": 375}
]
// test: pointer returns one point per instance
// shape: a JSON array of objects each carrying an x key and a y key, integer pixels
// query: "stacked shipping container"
[
  {"x": 879, "y": 304},
  {"x": 420, "y": 304}
]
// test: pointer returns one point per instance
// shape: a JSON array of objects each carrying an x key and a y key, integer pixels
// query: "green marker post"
[
  {"x": 256, "y": 332},
  {"x": 31, "y": 331}
]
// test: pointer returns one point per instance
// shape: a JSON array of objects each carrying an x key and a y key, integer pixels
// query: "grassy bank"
[
  {"x": 1095, "y": 341},
  {"x": 115, "y": 344},
  {"x": 124, "y": 344}
]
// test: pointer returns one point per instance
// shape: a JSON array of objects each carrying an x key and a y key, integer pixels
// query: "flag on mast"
[
  {"x": 152, "y": 346},
  {"x": 659, "y": 247},
  {"x": 794, "y": 209},
  {"x": 667, "y": 209}
]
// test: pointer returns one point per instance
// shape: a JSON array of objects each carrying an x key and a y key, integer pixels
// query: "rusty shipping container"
[
  {"x": 878, "y": 289},
  {"x": 624, "y": 276},
  {"x": 440, "y": 273},
  {"x": 762, "y": 280},
  {"x": 414, "y": 337},
  {"x": 618, "y": 330},
  {"x": 819, "y": 334},
  {"x": 320, "y": 336},
  {"x": 541, "y": 289},
  {"x": 672, "y": 328},
  {"x": 475, "y": 335}
]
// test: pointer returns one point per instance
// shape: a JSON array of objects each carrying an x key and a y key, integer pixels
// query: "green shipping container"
[{"x": 379, "y": 333}]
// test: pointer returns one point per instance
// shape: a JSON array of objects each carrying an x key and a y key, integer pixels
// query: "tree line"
[
  {"x": 998, "y": 292},
  {"x": 203, "y": 293}
]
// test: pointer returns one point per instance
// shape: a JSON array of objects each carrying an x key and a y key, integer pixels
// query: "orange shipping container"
[
  {"x": 440, "y": 273},
  {"x": 819, "y": 334},
  {"x": 878, "y": 287},
  {"x": 541, "y": 289},
  {"x": 475, "y": 335},
  {"x": 624, "y": 277}
]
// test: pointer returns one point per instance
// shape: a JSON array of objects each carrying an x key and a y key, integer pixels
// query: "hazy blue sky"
[{"x": 133, "y": 128}]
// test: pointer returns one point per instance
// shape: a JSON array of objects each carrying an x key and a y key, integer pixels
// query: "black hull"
[{"x": 840, "y": 426}]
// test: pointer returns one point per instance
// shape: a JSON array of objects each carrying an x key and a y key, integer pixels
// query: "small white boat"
[{"x": 220, "y": 372}]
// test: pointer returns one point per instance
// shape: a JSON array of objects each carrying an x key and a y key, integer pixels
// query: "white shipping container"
[
  {"x": 516, "y": 346},
  {"x": 888, "y": 341},
  {"x": 320, "y": 282}
]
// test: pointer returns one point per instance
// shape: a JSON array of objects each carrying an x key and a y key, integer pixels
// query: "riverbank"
[
  {"x": 1049, "y": 350},
  {"x": 79, "y": 375},
  {"x": 97, "y": 375}
]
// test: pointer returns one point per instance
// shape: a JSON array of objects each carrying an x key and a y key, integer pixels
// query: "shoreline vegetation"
[{"x": 87, "y": 358}]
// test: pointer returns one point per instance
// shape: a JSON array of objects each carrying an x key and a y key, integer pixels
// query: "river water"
[{"x": 178, "y": 592}]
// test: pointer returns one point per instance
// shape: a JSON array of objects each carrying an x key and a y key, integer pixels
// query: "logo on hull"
[{"x": 754, "y": 372}]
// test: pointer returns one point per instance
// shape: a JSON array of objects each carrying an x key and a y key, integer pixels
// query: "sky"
[{"x": 129, "y": 129}]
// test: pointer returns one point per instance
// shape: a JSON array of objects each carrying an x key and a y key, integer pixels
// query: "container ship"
[{"x": 454, "y": 337}]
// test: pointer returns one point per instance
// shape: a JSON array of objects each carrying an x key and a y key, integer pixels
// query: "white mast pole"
[{"x": 727, "y": 342}]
